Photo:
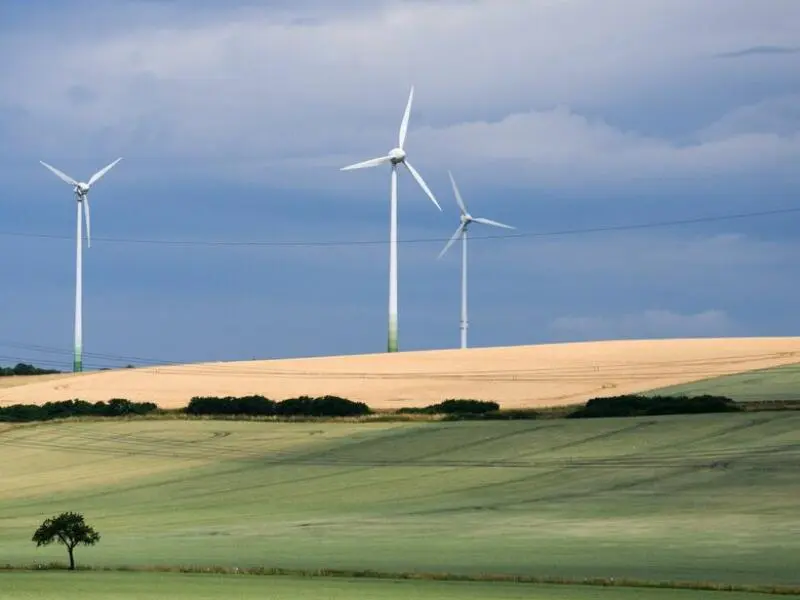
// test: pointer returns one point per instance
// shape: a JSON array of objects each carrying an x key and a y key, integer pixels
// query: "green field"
[
  {"x": 136, "y": 586},
  {"x": 686, "y": 498},
  {"x": 776, "y": 384}
]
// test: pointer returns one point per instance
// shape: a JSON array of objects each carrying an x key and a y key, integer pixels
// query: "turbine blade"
[
  {"x": 422, "y": 183},
  {"x": 490, "y": 222},
  {"x": 60, "y": 175},
  {"x": 459, "y": 199},
  {"x": 102, "y": 172},
  {"x": 88, "y": 219},
  {"x": 404, "y": 125},
  {"x": 458, "y": 232},
  {"x": 373, "y": 162}
]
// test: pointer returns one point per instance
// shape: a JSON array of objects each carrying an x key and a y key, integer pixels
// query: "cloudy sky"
[{"x": 229, "y": 232}]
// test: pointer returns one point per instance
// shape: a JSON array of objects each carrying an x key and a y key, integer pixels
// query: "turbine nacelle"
[
  {"x": 397, "y": 155},
  {"x": 81, "y": 190},
  {"x": 465, "y": 218}
]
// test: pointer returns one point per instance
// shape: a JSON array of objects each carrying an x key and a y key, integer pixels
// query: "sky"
[{"x": 228, "y": 231}]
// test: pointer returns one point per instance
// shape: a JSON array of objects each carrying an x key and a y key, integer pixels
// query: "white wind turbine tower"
[
  {"x": 81, "y": 191},
  {"x": 396, "y": 157},
  {"x": 466, "y": 219}
]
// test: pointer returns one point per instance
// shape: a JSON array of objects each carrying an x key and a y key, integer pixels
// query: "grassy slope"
[
  {"x": 130, "y": 586},
  {"x": 711, "y": 497},
  {"x": 779, "y": 383}
]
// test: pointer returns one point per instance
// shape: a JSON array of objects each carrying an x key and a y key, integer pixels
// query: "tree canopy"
[
  {"x": 25, "y": 369},
  {"x": 68, "y": 529}
]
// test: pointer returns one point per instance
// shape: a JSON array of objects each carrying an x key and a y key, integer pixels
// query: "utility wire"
[
  {"x": 701, "y": 367},
  {"x": 100, "y": 356},
  {"x": 122, "y": 358},
  {"x": 112, "y": 358},
  {"x": 331, "y": 243}
]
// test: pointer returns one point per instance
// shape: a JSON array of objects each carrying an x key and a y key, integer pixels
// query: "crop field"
[
  {"x": 516, "y": 376},
  {"x": 17, "y": 380},
  {"x": 134, "y": 586},
  {"x": 763, "y": 385},
  {"x": 680, "y": 498}
]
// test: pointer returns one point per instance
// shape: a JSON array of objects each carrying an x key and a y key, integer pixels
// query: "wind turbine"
[
  {"x": 396, "y": 157},
  {"x": 81, "y": 191},
  {"x": 466, "y": 219}
]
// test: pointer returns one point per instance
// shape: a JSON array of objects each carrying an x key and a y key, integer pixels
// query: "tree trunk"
[{"x": 71, "y": 558}]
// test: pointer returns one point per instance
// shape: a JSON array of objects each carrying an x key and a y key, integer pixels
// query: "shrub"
[
  {"x": 118, "y": 407},
  {"x": 306, "y": 406},
  {"x": 23, "y": 413},
  {"x": 229, "y": 405},
  {"x": 467, "y": 406},
  {"x": 25, "y": 369},
  {"x": 453, "y": 407},
  {"x": 324, "y": 406},
  {"x": 635, "y": 405}
]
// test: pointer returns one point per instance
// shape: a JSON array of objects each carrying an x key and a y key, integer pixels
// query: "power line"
[
  {"x": 112, "y": 358},
  {"x": 99, "y": 356},
  {"x": 702, "y": 368},
  {"x": 333, "y": 243}
]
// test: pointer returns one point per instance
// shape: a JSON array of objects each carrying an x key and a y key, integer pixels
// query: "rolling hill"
[
  {"x": 694, "y": 498},
  {"x": 777, "y": 384},
  {"x": 518, "y": 376}
]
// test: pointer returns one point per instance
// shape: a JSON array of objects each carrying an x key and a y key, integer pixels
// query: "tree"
[{"x": 68, "y": 529}]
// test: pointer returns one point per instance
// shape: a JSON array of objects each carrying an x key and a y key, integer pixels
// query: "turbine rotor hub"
[{"x": 397, "y": 155}]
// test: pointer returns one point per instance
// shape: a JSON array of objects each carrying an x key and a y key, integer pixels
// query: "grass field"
[
  {"x": 134, "y": 586},
  {"x": 709, "y": 497},
  {"x": 517, "y": 376},
  {"x": 764, "y": 385}
]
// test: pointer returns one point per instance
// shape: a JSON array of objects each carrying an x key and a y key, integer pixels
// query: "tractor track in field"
[{"x": 265, "y": 457}]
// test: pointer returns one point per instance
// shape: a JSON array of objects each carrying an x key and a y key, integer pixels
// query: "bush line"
[
  {"x": 640, "y": 406},
  {"x": 116, "y": 407},
  {"x": 25, "y": 369},
  {"x": 419, "y": 576},
  {"x": 307, "y": 408},
  {"x": 324, "y": 406}
]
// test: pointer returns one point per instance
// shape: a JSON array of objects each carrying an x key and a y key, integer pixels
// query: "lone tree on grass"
[{"x": 68, "y": 529}]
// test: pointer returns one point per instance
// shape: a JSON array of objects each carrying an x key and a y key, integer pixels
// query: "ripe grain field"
[
  {"x": 515, "y": 376},
  {"x": 708, "y": 497},
  {"x": 11, "y": 381}
]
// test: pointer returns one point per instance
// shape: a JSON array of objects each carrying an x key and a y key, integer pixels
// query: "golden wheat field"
[
  {"x": 517, "y": 376},
  {"x": 15, "y": 380}
]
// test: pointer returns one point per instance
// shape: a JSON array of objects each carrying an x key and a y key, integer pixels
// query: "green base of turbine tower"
[
  {"x": 392, "y": 345},
  {"x": 77, "y": 365}
]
